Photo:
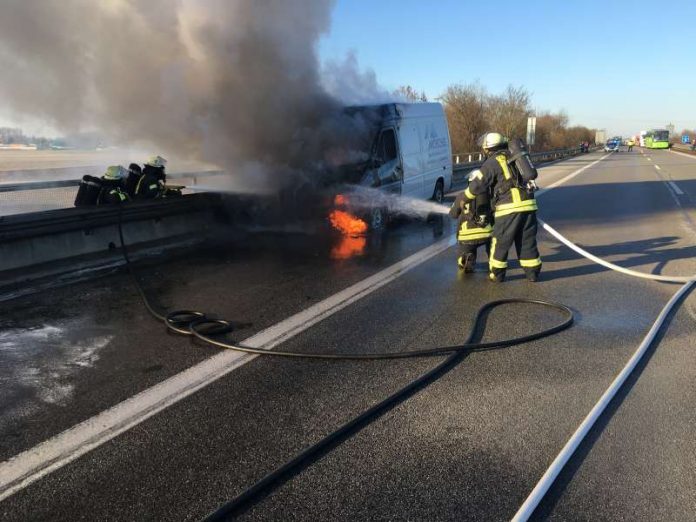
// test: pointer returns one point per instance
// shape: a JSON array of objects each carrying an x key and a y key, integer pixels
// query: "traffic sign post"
[{"x": 531, "y": 130}]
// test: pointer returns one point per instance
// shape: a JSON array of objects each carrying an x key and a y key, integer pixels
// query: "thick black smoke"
[{"x": 231, "y": 82}]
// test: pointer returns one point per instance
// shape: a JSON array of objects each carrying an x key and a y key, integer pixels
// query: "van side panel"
[
  {"x": 437, "y": 155},
  {"x": 411, "y": 154}
]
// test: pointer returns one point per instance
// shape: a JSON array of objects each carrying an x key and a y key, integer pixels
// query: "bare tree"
[
  {"x": 410, "y": 94},
  {"x": 465, "y": 106},
  {"x": 471, "y": 111},
  {"x": 508, "y": 112}
]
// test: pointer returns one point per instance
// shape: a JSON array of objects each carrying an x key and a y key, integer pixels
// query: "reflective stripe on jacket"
[
  {"x": 496, "y": 175},
  {"x": 473, "y": 233},
  {"x": 474, "y": 217}
]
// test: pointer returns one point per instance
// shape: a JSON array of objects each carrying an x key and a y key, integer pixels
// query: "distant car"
[{"x": 611, "y": 146}]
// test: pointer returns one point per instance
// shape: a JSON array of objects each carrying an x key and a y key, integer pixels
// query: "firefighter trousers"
[
  {"x": 467, "y": 253},
  {"x": 519, "y": 229}
]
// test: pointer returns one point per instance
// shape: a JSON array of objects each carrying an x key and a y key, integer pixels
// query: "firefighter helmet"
[
  {"x": 156, "y": 161},
  {"x": 115, "y": 172},
  {"x": 492, "y": 140}
]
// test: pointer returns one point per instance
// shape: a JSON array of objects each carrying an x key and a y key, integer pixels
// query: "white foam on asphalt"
[
  {"x": 37, "y": 462},
  {"x": 42, "y": 363}
]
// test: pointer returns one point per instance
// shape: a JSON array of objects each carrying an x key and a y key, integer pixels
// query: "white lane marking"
[
  {"x": 657, "y": 167},
  {"x": 675, "y": 188},
  {"x": 31, "y": 465},
  {"x": 570, "y": 176},
  {"x": 549, "y": 477},
  {"x": 649, "y": 159}
]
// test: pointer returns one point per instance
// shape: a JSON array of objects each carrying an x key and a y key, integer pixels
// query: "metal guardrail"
[
  {"x": 538, "y": 157},
  {"x": 459, "y": 161},
  {"x": 686, "y": 149},
  {"x": 467, "y": 157},
  {"x": 459, "y": 171},
  {"x": 36, "y": 196},
  {"x": 38, "y": 185}
]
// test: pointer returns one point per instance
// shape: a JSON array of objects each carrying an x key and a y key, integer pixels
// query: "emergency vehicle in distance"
[{"x": 613, "y": 144}]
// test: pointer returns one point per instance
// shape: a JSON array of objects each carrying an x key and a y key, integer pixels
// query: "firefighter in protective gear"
[
  {"x": 151, "y": 182},
  {"x": 475, "y": 226},
  {"x": 514, "y": 209},
  {"x": 112, "y": 191},
  {"x": 135, "y": 172}
]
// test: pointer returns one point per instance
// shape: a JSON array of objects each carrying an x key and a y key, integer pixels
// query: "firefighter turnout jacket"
[
  {"x": 474, "y": 218},
  {"x": 514, "y": 211},
  {"x": 151, "y": 183},
  {"x": 509, "y": 197}
]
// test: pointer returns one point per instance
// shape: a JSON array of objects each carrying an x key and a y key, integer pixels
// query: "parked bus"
[{"x": 657, "y": 139}]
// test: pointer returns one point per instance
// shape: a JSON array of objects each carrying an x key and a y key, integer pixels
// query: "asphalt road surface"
[{"x": 470, "y": 446}]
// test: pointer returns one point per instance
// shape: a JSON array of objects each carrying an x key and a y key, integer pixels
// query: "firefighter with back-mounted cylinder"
[
  {"x": 112, "y": 191},
  {"x": 509, "y": 174},
  {"x": 474, "y": 229},
  {"x": 151, "y": 182}
]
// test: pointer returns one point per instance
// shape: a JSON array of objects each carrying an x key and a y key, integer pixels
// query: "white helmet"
[
  {"x": 115, "y": 172},
  {"x": 156, "y": 161},
  {"x": 492, "y": 140}
]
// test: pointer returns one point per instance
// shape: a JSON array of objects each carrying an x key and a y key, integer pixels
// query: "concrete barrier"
[{"x": 53, "y": 243}]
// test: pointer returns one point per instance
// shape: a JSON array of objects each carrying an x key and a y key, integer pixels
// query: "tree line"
[{"x": 471, "y": 110}]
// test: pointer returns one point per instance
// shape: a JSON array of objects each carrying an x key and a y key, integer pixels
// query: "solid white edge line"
[
  {"x": 542, "y": 487},
  {"x": 571, "y": 176},
  {"x": 690, "y": 156},
  {"x": 33, "y": 464}
]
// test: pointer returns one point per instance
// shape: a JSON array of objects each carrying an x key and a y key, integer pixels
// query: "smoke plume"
[{"x": 231, "y": 82}]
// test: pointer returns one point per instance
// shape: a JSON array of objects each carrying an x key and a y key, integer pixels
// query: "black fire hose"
[{"x": 201, "y": 326}]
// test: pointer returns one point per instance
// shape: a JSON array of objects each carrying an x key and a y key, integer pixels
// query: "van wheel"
[
  {"x": 439, "y": 193},
  {"x": 377, "y": 219}
]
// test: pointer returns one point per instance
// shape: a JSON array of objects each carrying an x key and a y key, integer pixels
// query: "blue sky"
[{"x": 623, "y": 66}]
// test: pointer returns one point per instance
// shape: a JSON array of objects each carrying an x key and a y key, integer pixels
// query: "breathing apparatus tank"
[
  {"x": 520, "y": 160},
  {"x": 88, "y": 191}
]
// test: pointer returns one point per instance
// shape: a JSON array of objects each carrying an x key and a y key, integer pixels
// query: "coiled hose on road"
[{"x": 201, "y": 326}]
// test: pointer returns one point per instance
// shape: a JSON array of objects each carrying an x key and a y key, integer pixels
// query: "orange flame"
[
  {"x": 348, "y": 247},
  {"x": 347, "y": 223},
  {"x": 340, "y": 200}
]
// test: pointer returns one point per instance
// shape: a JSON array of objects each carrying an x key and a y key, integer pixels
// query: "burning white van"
[{"x": 411, "y": 154}]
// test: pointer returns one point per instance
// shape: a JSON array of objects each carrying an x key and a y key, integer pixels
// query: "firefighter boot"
[
  {"x": 467, "y": 262},
  {"x": 496, "y": 275},
  {"x": 532, "y": 274}
]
